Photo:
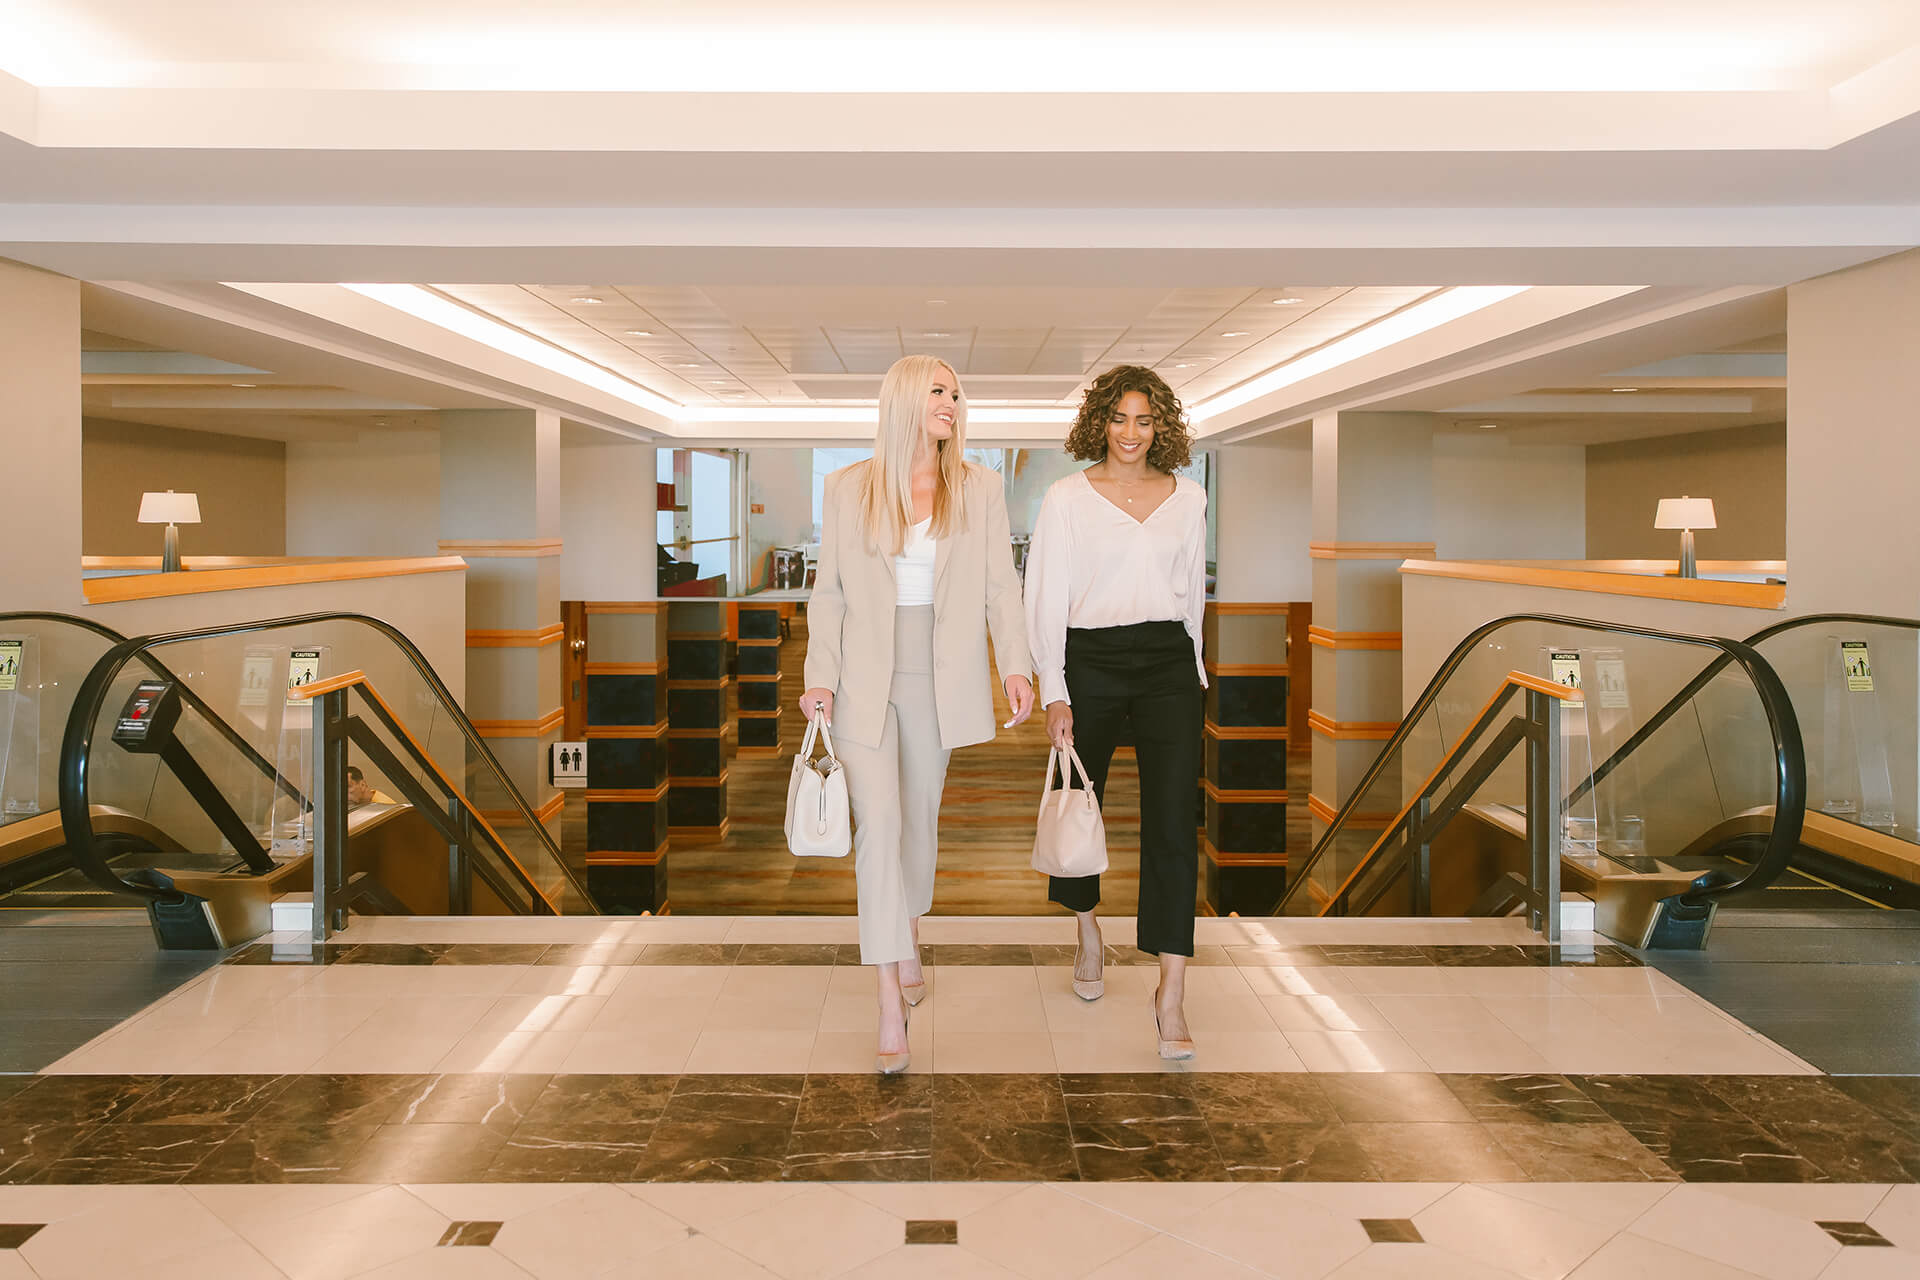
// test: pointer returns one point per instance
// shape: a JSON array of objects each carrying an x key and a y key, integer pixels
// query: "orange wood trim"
[
  {"x": 1327, "y": 638},
  {"x": 1370, "y": 550},
  {"x": 549, "y": 723},
  {"x": 757, "y": 643},
  {"x": 623, "y": 668},
  {"x": 191, "y": 563},
  {"x": 512, "y": 818},
  {"x": 762, "y": 715},
  {"x": 721, "y": 732},
  {"x": 627, "y": 730},
  {"x": 152, "y": 585},
  {"x": 1351, "y": 730},
  {"x": 1361, "y": 821},
  {"x": 678, "y": 781},
  {"x": 501, "y": 548},
  {"x": 716, "y": 636},
  {"x": 1220, "y": 859},
  {"x": 1746, "y": 595},
  {"x": 624, "y": 606},
  {"x": 626, "y": 858},
  {"x": 721, "y": 683},
  {"x": 1236, "y": 606},
  {"x": 1249, "y": 669},
  {"x": 1242, "y": 797},
  {"x": 1266, "y": 732},
  {"x": 617, "y": 796},
  {"x": 1518, "y": 678},
  {"x": 772, "y": 679},
  {"x": 373, "y": 695},
  {"x": 534, "y": 638},
  {"x": 701, "y": 834},
  {"x": 332, "y": 684}
]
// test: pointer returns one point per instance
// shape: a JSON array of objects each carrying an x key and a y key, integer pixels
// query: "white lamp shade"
[
  {"x": 1684, "y": 513},
  {"x": 169, "y": 508}
]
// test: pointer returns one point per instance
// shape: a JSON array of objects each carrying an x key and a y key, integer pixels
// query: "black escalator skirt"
[{"x": 183, "y": 924}]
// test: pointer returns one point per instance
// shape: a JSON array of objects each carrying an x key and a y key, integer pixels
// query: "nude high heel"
[
  {"x": 1170, "y": 1050},
  {"x": 916, "y": 992},
  {"x": 1088, "y": 989},
  {"x": 892, "y": 1064}
]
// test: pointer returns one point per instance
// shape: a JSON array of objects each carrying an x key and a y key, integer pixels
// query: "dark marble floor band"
[
  {"x": 828, "y": 953},
  {"x": 1117, "y": 1127}
]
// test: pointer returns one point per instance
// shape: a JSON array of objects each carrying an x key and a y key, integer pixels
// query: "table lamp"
[
  {"x": 1686, "y": 515},
  {"x": 171, "y": 509}
]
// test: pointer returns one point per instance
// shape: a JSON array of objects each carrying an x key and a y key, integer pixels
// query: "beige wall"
[
  {"x": 780, "y": 481},
  {"x": 1497, "y": 499},
  {"x": 1264, "y": 493},
  {"x": 40, "y": 395},
  {"x": 241, "y": 483},
  {"x": 607, "y": 522},
  {"x": 1744, "y": 471},
  {"x": 377, "y": 495}
]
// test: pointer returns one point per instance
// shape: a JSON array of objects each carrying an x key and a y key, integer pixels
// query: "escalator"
[
  {"x": 1657, "y": 820},
  {"x": 208, "y": 739}
]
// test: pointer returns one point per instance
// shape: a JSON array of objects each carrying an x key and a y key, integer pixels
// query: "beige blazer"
[{"x": 975, "y": 589}]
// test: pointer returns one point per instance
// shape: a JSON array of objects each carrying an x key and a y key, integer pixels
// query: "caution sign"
[
  {"x": 10, "y": 664},
  {"x": 302, "y": 669},
  {"x": 255, "y": 674},
  {"x": 1612, "y": 675},
  {"x": 1857, "y": 665},
  {"x": 1564, "y": 668}
]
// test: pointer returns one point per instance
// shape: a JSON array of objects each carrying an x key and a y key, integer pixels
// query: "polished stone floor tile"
[
  {"x": 933, "y": 1231},
  {"x": 1393, "y": 1096},
  {"x": 714, "y": 1151},
  {"x": 1391, "y": 1230},
  {"x": 1578, "y": 1152},
  {"x": 263, "y": 1153},
  {"x": 611, "y": 1154},
  {"x": 974, "y": 1148},
  {"x": 1322, "y": 1152},
  {"x": 766, "y": 1100},
  {"x": 338, "y": 1101},
  {"x": 205, "y": 1099},
  {"x": 127, "y": 1154},
  {"x": 470, "y": 1234},
  {"x": 1522, "y": 1099}
]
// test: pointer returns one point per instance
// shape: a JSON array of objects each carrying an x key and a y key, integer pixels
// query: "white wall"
[
  {"x": 781, "y": 482},
  {"x": 1498, "y": 499},
  {"x": 40, "y": 398},
  {"x": 378, "y": 495},
  {"x": 1264, "y": 495},
  {"x": 607, "y": 534}
]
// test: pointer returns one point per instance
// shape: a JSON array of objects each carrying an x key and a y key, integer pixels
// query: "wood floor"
[{"x": 986, "y": 831}]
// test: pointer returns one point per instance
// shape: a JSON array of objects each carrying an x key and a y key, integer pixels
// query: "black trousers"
[{"x": 1139, "y": 682}]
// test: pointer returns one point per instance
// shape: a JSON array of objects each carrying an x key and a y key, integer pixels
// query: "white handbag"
[
  {"x": 1069, "y": 838},
  {"x": 819, "y": 819}
]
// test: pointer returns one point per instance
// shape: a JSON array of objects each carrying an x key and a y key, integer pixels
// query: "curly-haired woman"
[{"x": 1116, "y": 588}]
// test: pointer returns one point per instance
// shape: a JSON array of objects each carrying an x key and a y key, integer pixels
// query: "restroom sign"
[
  {"x": 567, "y": 765},
  {"x": 1855, "y": 661}
]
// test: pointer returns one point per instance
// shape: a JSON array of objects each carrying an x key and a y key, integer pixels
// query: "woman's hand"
[
  {"x": 1020, "y": 698},
  {"x": 1060, "y": 725},
  {"x": 817, "y": 701}
]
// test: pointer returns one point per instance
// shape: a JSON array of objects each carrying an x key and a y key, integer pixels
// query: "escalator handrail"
[
  {"x": 1790, "y": 765},
  {"x": 1714, "y": 668},
  {"x": 286, "y": 785},
  {"x": 91, "y": 700},
  {"x": 397, "y": 729}
]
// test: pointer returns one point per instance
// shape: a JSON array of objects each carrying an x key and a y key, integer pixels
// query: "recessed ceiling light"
[
  {"x": 1235, "y": 333},
  {"x": 639, "y": 333},
  {"x": 1618, "y": 390},
  {"x": 936, "y": 302},
  {"x": 1489, "y": 426},
  {"x": 717, "y": 382},
  {"x": 1182, "y": 365},
  {"x": 246, "y": 384},
  {"x": 1288, "y": 302},
  {"x": 689, "y": 366},
  {"x": 939, "y": 334},
  {"x": 587, "y": 301}
]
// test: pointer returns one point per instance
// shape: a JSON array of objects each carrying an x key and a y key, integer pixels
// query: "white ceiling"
[
  {"x": 866, "y": 45},
  {"x": 1027, "y": 346}
]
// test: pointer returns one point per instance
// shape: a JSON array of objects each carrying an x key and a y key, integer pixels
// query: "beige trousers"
[{"x": 895, "y": 791}]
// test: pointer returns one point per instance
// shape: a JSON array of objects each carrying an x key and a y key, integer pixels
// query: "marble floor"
[{"x": 694, "y": 1096}]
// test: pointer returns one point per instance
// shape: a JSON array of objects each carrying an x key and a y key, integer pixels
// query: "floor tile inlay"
[{"x": 933, "y": 1231}]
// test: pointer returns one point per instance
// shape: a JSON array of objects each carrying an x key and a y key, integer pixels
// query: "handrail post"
[
  {"x": 1544, "y": 818},
  {"x": 329, "y": 813},
  {"x": 459, "y": 869},
  {"x": 1420, "y": 866}
]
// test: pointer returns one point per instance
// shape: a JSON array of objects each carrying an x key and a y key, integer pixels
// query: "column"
[
  {"x": 40, "y": 388},
  {"x": 1372, "y": 509},
  {"x": 500, "y": 510},
  {"x": 627, "y": 786},
  {"x": 1244, "y": 841},
  {"x": 697, "y": 720},
  {"x": 1853, "y": 381},
  {"x": 759, "y": 671}
]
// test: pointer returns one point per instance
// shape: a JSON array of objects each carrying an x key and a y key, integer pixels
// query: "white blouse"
[
  {"x": 913, "y": 567},
  {"x": 1092, "y": 565}
]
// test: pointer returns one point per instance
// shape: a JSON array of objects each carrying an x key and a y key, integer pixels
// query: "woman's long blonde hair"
[{"x": 886, "y": 493}]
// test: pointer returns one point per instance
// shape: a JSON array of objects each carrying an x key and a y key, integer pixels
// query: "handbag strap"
[{"x": 1066, "y": 763}]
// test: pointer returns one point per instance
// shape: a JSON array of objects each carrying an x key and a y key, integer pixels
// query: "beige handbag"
[
  {"x": 1069, "y": 838},
  {"x": 819, "y": 819}
]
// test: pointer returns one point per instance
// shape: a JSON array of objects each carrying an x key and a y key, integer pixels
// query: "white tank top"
[{"x": 913, "y": 567}]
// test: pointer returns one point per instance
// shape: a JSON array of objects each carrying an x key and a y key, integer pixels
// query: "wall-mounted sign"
[
  {"x": 1612, "y": 675},
  {"x": 567, "y": 766},
  {"x": 10, "y": 664},
  {"x": 256, "y": 675},
  {"x": 1855, "y": 661},
  {"x": 1564, "y": 668},
  {"x": 302, "y": 668}
]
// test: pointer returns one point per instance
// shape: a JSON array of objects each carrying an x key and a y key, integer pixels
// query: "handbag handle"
[
  {"x": 1067, "y": 764},
  {"x": 817, "y": 731}
]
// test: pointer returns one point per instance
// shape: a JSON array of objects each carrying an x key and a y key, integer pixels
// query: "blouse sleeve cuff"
[{"x": 1053, "y": 688}]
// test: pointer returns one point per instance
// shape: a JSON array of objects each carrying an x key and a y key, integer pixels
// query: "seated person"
[{"x": 359, "y": 793}]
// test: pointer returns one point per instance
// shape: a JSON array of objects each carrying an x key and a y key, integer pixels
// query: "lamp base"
[
  {"x": 1687, "y": 567},
  {"x": 170, "y": 555}
]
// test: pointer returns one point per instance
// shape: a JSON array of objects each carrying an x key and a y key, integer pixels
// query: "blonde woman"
[
  {"x": 1116, "y": 589},
  {"x": 915, "y": 569}
]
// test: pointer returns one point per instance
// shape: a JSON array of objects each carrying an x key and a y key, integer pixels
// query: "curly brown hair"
[{"x": 1172, "y": 446}]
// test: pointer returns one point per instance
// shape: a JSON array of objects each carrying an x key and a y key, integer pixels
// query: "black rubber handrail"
[
  {"x": 1789, "y": 753},
  {"x": 91, "y": 700},
  {"x": 1714, "y": 668},
  {"x": 192, "y": 699}
]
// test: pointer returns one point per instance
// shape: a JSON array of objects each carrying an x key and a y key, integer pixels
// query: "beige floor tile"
[
  {"x": 930, "y": 1262},
  {"x": 1158, "y": 1205},
  {"x": 1165, "y": 1256},
  {"x": 706, "y": 1206},
  {"x": 1367, "y": 1199},
  {"x": 541, "y": 1013},
  {"x": 1415, "y": 1262},
  {"x": 587, "y": 1235},
  {"x": 989, "y": 1052},
  {"x": 695, "y": 1258},
  {"x": 1612, "y": 1205},
  {"x": 1281, "y": 980},
  {"x": 571, "y": 980},
  {"x": 931, "y": 1200},
  {"x": 1135, "y": 1050},
  {"x": 819, "y": 1233},
  {"x": 525, "y": 1052},
  {"x": 1528, "y": 1239},
  {"x": 728, "y": 1052},
  {"x": 854, "y": 1052},
  {"x": 1872, "y": 1264},
  {"x": 1898, "y": 1217},
  {"x": 1355, "y": 1051},
  {"x": 633, "y": 1051},
  {"x": 465, "y": 1263},
  {"x": 1243, "y": 1051},
  {"x": 1046, "y": 1234},
  {"x": 389, "y": 1050},
  {"x": 123, "y": 1234},
  {"x": 1488, "y": 1049},
  {"x": 494, "y": 1202},
  {"x": 351, "y": 1236},
  {"x": 1631, "y": 1257},
  {"x": 1751, "y": 1237},
  {"x": 1324, "y": 1013},
  {"x": 1436, "y": 1013},
  {"x": 1263, "y": 1227},
  {"x": 990, "y": 998}
]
